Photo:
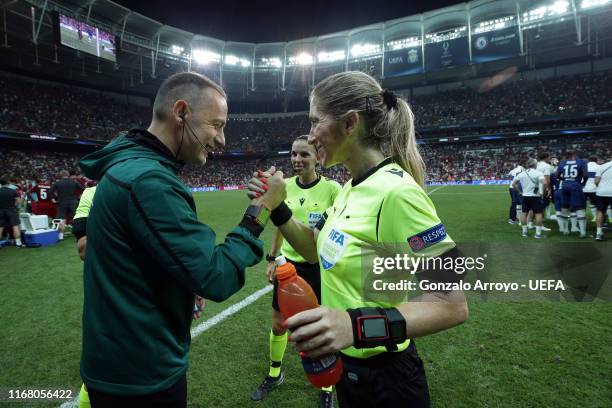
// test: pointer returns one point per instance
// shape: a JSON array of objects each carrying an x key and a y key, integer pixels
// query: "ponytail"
[
  {"x": 396, "y": 129},
  {"x": 389, "y": 121}
]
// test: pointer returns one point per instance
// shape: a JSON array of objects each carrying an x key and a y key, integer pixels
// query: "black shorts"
[
  {"x": 173, "y": 397},
  {"x": 603, "y": 202},
  {"x": 591, "y": 198},
  {"x": 9, "y": 217},
  {"x": 534, "y": 204},
  {"x": 65, "y": 211},
  {"x": 310, "y": 273},
  {"x": 387, "y": 380}
]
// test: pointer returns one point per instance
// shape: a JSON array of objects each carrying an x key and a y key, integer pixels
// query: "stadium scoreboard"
[{"x": 85, "y": 37}]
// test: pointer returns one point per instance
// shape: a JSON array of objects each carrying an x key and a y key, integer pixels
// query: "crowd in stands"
[
  {"x": 65, "y": 111},
  {"x": 460, "y": 161},
  {"x": 39, "y": 165},
  {"x": 521, "y": 99},
  {"x": 492, "y": 160},
  {"x": 60, "y": 110}
]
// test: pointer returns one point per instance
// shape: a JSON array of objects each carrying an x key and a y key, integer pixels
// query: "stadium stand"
[
  {"x": 461, "y": 161},
  {"x": 100, "y": 118}
]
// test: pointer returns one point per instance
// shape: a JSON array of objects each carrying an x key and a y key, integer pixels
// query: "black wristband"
[
  {"x": 397, "y": 325},
  {"x": 281, "y": 214},
  {"x": 79, "y": 227},
  {"x": 249, "y": 223},
  {"x": 270, "y": 258}
]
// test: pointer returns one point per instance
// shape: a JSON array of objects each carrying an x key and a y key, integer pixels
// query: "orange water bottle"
[{"x": 294, "y": 296}]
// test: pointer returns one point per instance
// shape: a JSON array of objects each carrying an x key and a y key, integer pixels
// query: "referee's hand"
[
  {"x": 320, "y": 331},
  {"x": 258, "y": 184},
  {"x": 271, "y": 271}
]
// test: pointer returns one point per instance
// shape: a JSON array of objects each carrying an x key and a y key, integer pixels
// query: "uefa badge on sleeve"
[{"x": 416, "y": 243}]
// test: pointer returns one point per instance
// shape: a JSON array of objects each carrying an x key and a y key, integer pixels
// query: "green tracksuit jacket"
[{"x": 147, "y": 254}]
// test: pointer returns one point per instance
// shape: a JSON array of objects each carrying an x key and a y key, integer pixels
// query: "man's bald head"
[{"x": 188, "y": 86}]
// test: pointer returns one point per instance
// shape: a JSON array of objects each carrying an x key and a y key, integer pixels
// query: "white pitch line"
[
  {"x": 435, "y": 189},
  {"x": 202, "y": 327},
  {"x": 219, "y": 317}
]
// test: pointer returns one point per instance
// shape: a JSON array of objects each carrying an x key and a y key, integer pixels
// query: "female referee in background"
[
  {"x": 371, "y": 132},
  {"x": 308, "y": 195}
]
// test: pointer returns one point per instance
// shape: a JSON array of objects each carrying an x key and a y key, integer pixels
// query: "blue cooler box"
[{"x": 42, "y": 237}]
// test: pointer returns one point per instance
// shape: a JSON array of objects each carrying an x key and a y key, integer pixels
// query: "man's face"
[{"x": 207, "y": 124}]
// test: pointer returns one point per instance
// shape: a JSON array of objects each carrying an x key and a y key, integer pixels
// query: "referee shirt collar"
[
  {"x": 309, "y": 185},
  {"x": 373, "y": 170}
]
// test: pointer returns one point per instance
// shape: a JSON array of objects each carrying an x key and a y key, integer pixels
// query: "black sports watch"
[
  {"x": 373, "y": 327},
  {"x": 270, "y": 258},
  {"x": 258, "y": 213}
]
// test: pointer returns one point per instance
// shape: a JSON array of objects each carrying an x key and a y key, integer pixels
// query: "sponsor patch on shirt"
[
  {"x": 333, "y": 247},
  {"x": 313, "y": 219},
  {"x": 427, "y": 238}
]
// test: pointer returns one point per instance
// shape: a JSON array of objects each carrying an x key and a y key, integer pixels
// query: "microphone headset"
[{"x": 184, "y": 123}]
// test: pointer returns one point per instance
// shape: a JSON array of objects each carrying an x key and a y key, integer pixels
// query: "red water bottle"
[{"x": 294, "y": 296}]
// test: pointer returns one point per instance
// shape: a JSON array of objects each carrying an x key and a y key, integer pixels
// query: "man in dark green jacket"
[{"x": 147, "y": 254}]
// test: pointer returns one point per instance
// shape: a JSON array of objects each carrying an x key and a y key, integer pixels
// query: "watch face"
[
  {"x": 264, "y": 216},
  {"x": 374, "y": 328}
]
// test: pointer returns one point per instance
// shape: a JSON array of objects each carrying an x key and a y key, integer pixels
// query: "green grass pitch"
[{"x": 506, "y": 355}]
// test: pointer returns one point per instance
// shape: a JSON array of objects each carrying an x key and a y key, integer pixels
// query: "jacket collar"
[{"x": 146, "y": 139}]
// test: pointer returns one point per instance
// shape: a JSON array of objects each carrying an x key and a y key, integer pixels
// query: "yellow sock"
[
  {"x": 278, "y": 344},
  {"x": 84, "y": 398},
  {"x": 328, "y": 389}
]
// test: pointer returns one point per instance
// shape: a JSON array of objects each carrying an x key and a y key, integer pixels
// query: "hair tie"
[{"x": 389, "y": 98}]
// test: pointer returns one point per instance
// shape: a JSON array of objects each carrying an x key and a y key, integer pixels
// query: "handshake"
[{"x": 267, "y": 188}]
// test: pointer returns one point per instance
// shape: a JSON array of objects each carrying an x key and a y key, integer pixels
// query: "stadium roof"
[
  {"x": 278, "y": 20},
  {"x": 151, "y": 50}
]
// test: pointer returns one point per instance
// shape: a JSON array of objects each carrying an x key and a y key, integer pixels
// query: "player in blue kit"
[{"x": 573, "y": 174}]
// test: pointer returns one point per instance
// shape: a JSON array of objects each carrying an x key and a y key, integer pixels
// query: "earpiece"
[{"x": 182, "y": 116}]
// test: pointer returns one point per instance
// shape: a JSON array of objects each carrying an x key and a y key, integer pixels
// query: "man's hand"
[{"x": 269, "y": 191}]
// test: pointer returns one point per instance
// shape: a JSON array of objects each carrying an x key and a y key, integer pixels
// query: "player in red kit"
[{"x": 41, "y": 200}]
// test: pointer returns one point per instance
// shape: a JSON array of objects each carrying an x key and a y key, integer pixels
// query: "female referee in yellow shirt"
[
  {"x": 371, "y": 132},
  {"x": 309, "y": 195}
]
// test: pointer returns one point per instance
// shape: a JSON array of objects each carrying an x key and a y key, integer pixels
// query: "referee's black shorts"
[
  {"x": 387, "y": 380},
  {"x": 310, "y": 273}
]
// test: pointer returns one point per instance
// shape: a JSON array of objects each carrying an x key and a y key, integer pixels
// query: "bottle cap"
[{"x": 284, "y": 270}]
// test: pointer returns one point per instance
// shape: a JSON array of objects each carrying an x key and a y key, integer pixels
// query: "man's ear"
[{"x": 180, "y": 110}]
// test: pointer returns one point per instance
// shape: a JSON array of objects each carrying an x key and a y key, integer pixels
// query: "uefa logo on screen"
[{"x": 413, "y": 56}]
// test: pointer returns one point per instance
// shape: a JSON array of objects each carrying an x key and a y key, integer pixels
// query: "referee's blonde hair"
[{"x": 390, "y": 129}]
